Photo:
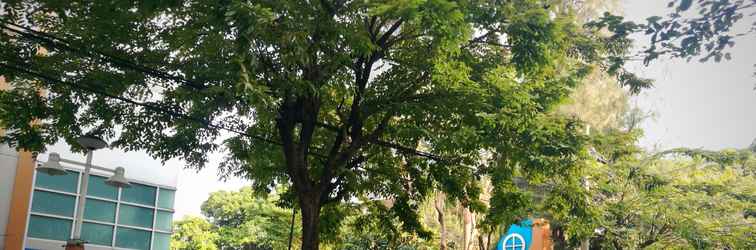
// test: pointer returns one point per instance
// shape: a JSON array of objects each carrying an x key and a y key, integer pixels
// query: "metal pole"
[
  {"x": 82, "y": 197},
  {"x": 291, "y": 229}
]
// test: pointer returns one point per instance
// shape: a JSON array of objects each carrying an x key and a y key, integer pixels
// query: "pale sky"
[{"x": 710, "y": 105}]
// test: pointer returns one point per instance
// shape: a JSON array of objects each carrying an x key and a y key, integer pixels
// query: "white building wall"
[{"x": 8, "y": 160}]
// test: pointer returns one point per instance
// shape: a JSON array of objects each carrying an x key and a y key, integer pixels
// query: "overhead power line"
[
  {"x": 61, "y": 43},
  {"x": 148, "y": 106}
]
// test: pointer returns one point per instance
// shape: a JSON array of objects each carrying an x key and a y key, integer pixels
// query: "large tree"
[{"x": 341, "y": 99}]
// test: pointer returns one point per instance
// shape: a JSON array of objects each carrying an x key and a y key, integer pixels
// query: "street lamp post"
[
  {"x": 90, "y": 143},
  {"x": 53, "y": 167}
]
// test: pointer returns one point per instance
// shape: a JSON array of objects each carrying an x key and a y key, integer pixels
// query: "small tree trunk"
[
  {"x": 468, "y": 220},
  {"x": 440, "y": 211},
  {"x": 310, "y": 222}
]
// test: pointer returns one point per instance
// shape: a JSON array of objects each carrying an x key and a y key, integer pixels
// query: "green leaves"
[
  {"x": 242, "y": 219},
  {"x": 694, "y": 201},
  {"x": 336, "y": 98},
  {"x": 704, "y": 35},
  {"x": 194, "y": 233},
  {"x": 684, "y": 5},
  {"x": 534, "y": 38}
]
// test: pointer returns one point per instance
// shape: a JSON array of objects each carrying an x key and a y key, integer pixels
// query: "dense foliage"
[
  {"x": 674, "y": 199},
  {"x": 340, "y": 99},
  {"x": 194, "y": 233},
  {"x": 237, "y": 220}
]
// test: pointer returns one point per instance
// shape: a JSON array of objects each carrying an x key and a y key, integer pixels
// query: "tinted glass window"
[
  {"x": 66, "y": 183},
  {"x": 161, "y": 241},
  {"x": 49, "y": 228},
  {"x": 53, "y": 203},
  {"x": 135, "y": 216},
  {"x": 98, "y": 188},
  {"x": 100, "y": 210},
  {"x": 133, "y": 238},
  {"x": 165, "y": 198},
  {"x": 97, "y": 234},
  {"x": 139, "y": 194},
  {"x": 163, "y": 221}
]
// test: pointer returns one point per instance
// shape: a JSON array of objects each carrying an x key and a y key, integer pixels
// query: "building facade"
[
  {"x": 37, "y": 210},
  {"x": 137, "y": 217}
]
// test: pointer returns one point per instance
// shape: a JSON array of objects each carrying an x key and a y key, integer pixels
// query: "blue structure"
[{"x": 519, "y": 236}]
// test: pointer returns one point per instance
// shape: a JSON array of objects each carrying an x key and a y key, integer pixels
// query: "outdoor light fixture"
[
  {"x": 91, "y": 142},
  {"x": 52, "y": 166},
  {"x": 118, "y": 179}
]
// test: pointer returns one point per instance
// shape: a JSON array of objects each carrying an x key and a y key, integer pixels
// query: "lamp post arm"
[{"x": 85, "y": 165}]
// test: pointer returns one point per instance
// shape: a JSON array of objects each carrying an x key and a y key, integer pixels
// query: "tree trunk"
[
  {"x": 440, "y": 211},
  {"x": 468, "y": 227},
  {"x": 310, "y": 222},
  {"x": 558, "y": 236}
]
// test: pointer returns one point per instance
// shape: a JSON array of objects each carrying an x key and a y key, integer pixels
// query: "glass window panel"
[
  {"x": 133, "y": 238},
  {"x": 135, "y": 216},
  {"x": 98, "y": 188},
  {"x": 53, "y": 203},
  {"x": 161, "y": 241},
  {"x": 100, "y": 210},
  {"x": 97, "y": 233},
  {"x": 163, "y": 221},
  {"x": 49, "y": 228},
  {"x": 140, "y": 194},
  {"x": 165, "y": 198},
  {"x": 66, "y": 183}
]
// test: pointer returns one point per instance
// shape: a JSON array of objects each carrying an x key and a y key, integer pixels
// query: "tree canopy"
[{"x": 341, "y": 99}]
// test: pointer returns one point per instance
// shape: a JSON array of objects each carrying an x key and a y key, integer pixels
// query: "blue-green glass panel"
[
  {"x": 163, "y": 221},
  {"x": 161, "y": 241},
  {"x": 133, "y": 238},
  {"x": 135, "y": 216},
  {"x": 53, "y": 203},
  {"x": 100, "y": 210},
  {"x": 165, "y": 198},
  {"x": 97, "y": 234},
  {"x": 98, "y": 188},
  {"x": 49, "y": 228},
  {"x": 66, "y": 183},
  {"x": 140, "y": 194}
]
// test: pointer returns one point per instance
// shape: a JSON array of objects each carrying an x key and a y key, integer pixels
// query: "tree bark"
[
  {"x": 468, "y": 220},
  {"x": 440, "y": 211},
  {"x": 310, "y": 222}
]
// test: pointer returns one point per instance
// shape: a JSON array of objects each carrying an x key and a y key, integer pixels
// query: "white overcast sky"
[
  {"x": 707, "y": 105},
  {"x": 710, "y": 105}
]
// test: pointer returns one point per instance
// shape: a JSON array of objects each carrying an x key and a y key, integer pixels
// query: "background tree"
[
  {"x": 244, "y": 220},
  {"x": 194, "y": 233},
  {"x": 679, "y": 198},
  {"x": 332, "y": 97}
]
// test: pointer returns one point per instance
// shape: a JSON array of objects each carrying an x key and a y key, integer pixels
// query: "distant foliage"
[
  {"x": 194, "y": 233},
  {"x": 675, "y": 199}
]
